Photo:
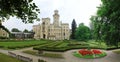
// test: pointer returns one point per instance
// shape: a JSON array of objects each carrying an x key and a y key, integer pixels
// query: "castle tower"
[{"x": 56, "y": 18}]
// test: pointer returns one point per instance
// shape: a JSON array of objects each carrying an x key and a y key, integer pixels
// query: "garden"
[
  {"x": 89, "y": 49},
  {"x": 58, "y": 46},
  {"x": 92, "y": 53},
  {"x": 61, "y": 46},
  {"x": 17, "y": 44}
]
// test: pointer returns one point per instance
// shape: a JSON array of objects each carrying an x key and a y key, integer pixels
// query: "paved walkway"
[
  {"x": 68, "y": 57},
  {"x": 35, "y": 58},
  {"x": 4, "y": 51}
]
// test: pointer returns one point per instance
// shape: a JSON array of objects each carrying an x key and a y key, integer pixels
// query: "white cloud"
[{"x": 80, "y": 10}]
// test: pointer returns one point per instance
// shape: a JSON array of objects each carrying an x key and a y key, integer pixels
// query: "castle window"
[{"x": 64, "y": 34}]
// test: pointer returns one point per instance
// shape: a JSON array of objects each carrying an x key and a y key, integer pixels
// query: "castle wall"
[{"x": 55, "y": 31}]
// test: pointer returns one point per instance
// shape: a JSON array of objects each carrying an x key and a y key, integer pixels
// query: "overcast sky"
[{"x": 80, "y": 10}]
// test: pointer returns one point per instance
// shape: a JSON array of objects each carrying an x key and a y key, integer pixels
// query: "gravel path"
[{"x": 68, "y": 57}]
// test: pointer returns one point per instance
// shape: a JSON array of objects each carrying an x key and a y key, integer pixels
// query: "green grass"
[
  {"x": 51, "y": 45},
  {"x": 94, "y": 43},
  {"x": 117, "y": 51},
  {"x": 31, "y": 52},
  {"x": 5, "y": 58},
  {"x": 61, "y": 46},
  {"x": 89, "y": 56},
  {"x": 53, "y": 55},
  {"x": 14, "y": 44}
]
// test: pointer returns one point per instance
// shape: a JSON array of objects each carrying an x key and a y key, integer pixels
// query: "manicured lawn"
[
  {"x": 16, "y": 44},
  {"x": 93, "y": 43},
  {"x": 5, "y": 58},
  {"x": 61, "y": 46},
  {"x": 51, "y": 45},
  {"x": 52, "y": 55}
]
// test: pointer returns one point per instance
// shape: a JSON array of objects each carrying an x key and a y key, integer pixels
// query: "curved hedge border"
[{"x": 63, "y": 49}]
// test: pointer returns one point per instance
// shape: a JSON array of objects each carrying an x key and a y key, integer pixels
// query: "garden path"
[
  {"x": 68, "y": 57},
  {"x": 4, "y": 51}
]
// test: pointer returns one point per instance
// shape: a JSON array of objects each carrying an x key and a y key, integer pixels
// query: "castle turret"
[{"x": 56, "y": 18}]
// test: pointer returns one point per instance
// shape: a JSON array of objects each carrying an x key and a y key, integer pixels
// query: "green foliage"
[
  {"x": 25, "y": 31},
  {"x": 53, "y": 55},
  {"x": 106, "y": 23},
  {"x": 15, "y": 30},
  {"x": 17, "y": 44},
  {"x": 92, "y": 27},
  {"x": 74, "y": 26},
  {"x": 82, "y": 32},
  {"x": 64, "y": 46},
  {"x": 23, "y": 9},
  {"x": 46, "y": 54},
  {"x": 58, "y": 46}
]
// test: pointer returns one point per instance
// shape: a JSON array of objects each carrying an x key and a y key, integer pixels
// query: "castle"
[{"x": 52, "y": 31}]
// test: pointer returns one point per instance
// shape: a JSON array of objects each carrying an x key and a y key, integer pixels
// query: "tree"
[
  {"x": 25, "y": 31},
  {"x": 93, "y": 27},
  {"x": 73, "y": 29},
  {"x": 15, "y": 30},
  {"x": 82, "y": 32},
  {"x": 23, "y": 9},
  {"x": 106, "y": 22}
]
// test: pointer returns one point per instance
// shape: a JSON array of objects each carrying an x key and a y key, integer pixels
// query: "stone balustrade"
[{"x": 20, "y": 57}]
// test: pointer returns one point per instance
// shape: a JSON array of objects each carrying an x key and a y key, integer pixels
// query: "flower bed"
[{"x": 93, "y": 53}]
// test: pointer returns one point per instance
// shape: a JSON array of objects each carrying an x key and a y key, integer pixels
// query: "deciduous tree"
[
  {"x": 107, "y": 21},
  {"x": 15, "y": 30},
  {"x": 23, "y": 9},
  {"x": 82, "y": 32}
]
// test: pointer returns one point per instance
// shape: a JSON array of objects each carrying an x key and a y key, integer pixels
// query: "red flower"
[
  {"x": 89, "y": 52},
  {"x": 85, "y": 52},
  {"x": 96, "y": 51}
]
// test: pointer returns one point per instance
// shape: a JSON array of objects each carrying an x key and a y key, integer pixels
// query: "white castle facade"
[{"x": 52, "y": 31}]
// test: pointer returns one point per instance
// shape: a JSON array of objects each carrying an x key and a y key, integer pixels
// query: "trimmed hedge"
[{"x": 62, "y": 49}]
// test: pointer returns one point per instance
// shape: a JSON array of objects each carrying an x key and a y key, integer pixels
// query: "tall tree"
[
  {"x": 82, "y": 32},
  {"x": 25, "y": 31},
  {"x": 73, "y": 29},
  {"x": 15, "y": 30},
  {"x": 106, "y": 22},
  {"x": 23, "y": 9}
]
